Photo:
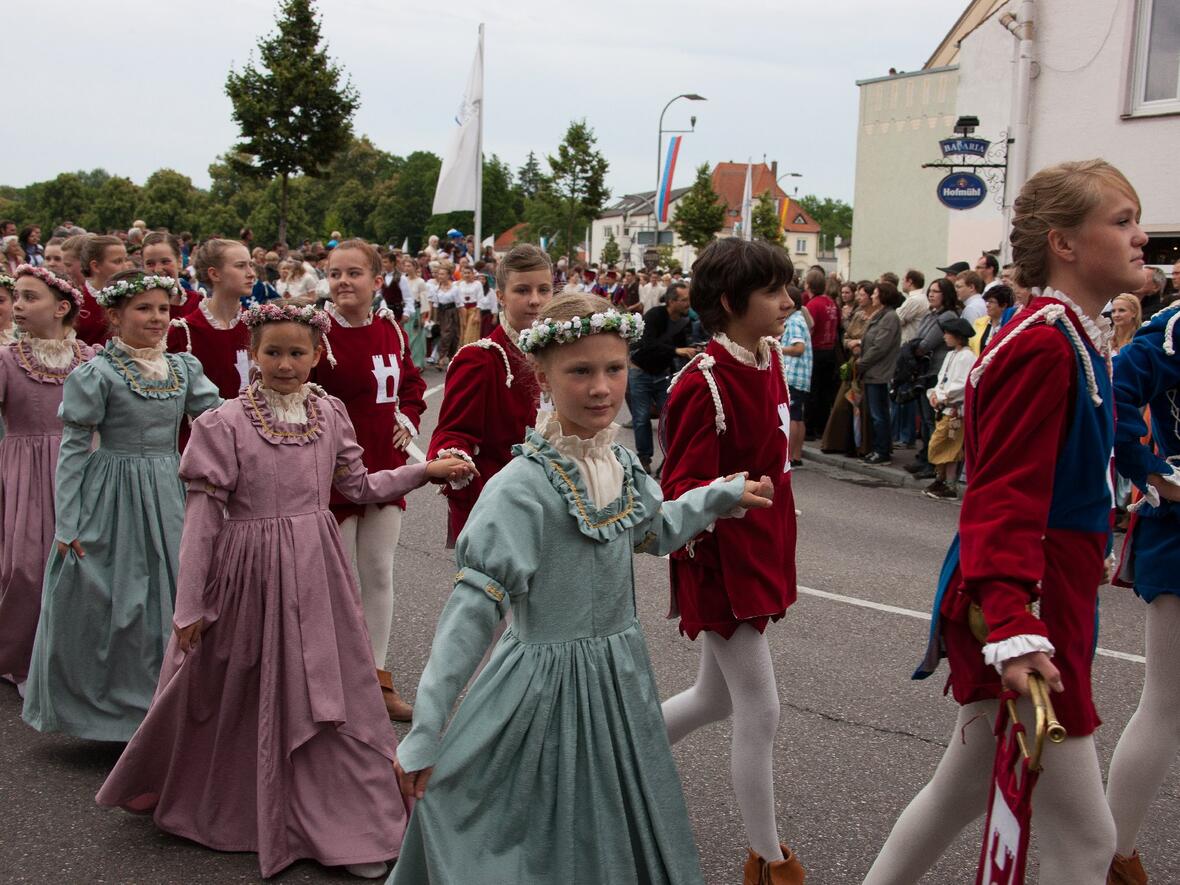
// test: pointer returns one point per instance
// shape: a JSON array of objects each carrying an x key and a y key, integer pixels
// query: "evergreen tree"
[
  {"x": 530, "y": 178},
  {"x": 610, "y": 251},
  {"x": 293, "y": 113},
  {"x": 765, "y": 221},
  {"x": 700, "y": 214},
  {"x": 575, "y": 191}
]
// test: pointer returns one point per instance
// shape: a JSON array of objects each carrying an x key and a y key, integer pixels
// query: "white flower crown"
[
  {"x": 108, "y": 296},
  {"x": 548, "y": 331}
]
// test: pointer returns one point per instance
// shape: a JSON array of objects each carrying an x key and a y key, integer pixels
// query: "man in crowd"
[
  {"x": 988, "y": 268},
  {"x": 969, "y": 286},
  {"x": 952, "y": 271},
  {"x": 797, "y": 361},
  {"x": 910, "y": 314},
  {"x": 664, "y": 343},
  {"x": 1151, "y": 295},
  {"x": 825, "y": 319}
]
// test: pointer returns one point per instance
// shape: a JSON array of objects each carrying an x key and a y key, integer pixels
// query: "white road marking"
[
  {"x": 431, "y": 391},
  {"x": 415, "y": 453}
]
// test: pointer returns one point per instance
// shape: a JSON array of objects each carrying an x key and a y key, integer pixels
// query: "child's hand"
[
  {"x": 401, "y": 438},
  {"x": 449, "y": 470},
  {"x": 1017, "y": 671},
  {"x": 1168, "y": 491},
  {"x": 758, "y": 494},
  {"x": 412, "y": 783},
  {"x": 75, "y": 545},
  {"x": 189, "y": 637}
]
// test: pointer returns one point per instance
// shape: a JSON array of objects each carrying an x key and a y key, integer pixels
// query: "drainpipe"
[{"x": 1021, "y": 27}]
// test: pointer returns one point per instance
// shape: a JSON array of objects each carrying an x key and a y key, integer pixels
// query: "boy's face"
[{"x": 766, "y": 314}]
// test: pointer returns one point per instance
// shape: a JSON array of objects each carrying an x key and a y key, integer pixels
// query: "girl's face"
[
  {"x": 286, "y": 354},
  {"x": 114, "y": 259},
  {"x": 55, "y": 259},
  {"x": 1107, "y": 248},
  {"x": 934, "y": 296},
  {"x": 235, "y": 276},
  {"x": 159, "y": 259},
  {"x": 468, "y": 274},
  {"x": 73, "y": 266},
  {"x": 36, "y": 311},
  {"x": 5, "y": 308},
  {"x": 13, "y": 249},
  {"x": 352, "y": 281},
  {"x": 952, "y": 340},
  {"x": 409, "y": 268},
  {"x": 526, "y": 296},
  {"x": 141, "y": 320},
  {"x": 587, "y": 381},
  {"x": 766, "y": 314},
  {"x": 847, "y": 294},
  {"x": 1121, "y": 314},
  {"x": 442, "y": 275},
  {"x": 35, "y": 236}
]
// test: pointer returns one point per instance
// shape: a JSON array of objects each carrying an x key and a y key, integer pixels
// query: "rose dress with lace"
[
  {"x": 32, "y": 372},
  {"x": 271, "y": 735}
]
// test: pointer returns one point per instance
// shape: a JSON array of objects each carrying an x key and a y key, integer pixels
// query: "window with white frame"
[
  {"x": 800, "y": 246},
  {"x": 1155, "y": 77}
]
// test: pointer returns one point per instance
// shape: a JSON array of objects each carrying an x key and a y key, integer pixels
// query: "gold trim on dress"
[
  {"x": 134, "y": 382},
  {"x": 581, "y": 505},
  {"x": 492, "y": 591},
  {"x": 38, "y": 371},
  {"x": 312, "y": 429}
]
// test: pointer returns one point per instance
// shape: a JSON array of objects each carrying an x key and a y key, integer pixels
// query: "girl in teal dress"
[
  {"x": 106, "y": 609},
  {"x": 556, "y": 767}
]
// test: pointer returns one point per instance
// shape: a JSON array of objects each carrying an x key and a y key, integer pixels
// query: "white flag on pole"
[
  {"x": 747, "y": 203},
  {"x": 406, "y": 246},
  {"x": 458, "y": 180}
]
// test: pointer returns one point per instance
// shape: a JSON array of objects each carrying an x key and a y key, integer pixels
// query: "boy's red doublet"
[
  {"x": 744, "y": 570},
  {"x": 224, "y": 355},
  {"x": 91, "y": 323},
  {"x": 1035, "y": 522},
  {"x": 382, "y": 390},
  {"x": 484, "y": 414}
]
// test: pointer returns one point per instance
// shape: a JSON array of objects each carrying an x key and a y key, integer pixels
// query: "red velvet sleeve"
[
  {"x": 1016, "y": 427},
  {"x": 463, "y": 414},
  {"x": 692, "y": 451}
]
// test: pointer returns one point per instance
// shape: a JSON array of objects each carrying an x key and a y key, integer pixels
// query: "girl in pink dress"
[
  {"x": 268, "y": 732},
  {"x": 32, "y": 372}
]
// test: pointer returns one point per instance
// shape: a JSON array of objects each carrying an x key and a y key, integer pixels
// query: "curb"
[{"x": 892, "y": 475}]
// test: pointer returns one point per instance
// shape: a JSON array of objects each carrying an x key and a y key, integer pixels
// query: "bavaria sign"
[
  {"x": 961, "y": 190},
  {"x": 975, "y": 147}
]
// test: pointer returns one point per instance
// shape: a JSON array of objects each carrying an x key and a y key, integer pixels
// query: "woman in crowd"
[
  {"x": 416, "y": 325},
  {"x": 997, "y": 300},
  {"x": 14, "y": 255},
  {"x": 880, "y": 346},
  {"x": 1126, "y": 316},
  {"x": 848, "y": 429},
  {"x": 445, "y": 299},
  {"x": 30, "y": 241},
  {"x": 299, "y": 288},
  {"x": 930, "y": 345}
]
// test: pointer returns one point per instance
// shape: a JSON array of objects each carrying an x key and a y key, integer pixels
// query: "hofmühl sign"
[{"x": 961, "y": 190}]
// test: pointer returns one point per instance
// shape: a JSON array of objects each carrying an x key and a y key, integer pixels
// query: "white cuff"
[
  {"x": 405, "y": 422},
  {"x": 997, "y": 653},
  {"x": 456, "y": 484}
]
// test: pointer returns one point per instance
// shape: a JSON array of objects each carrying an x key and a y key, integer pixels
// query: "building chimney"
[{"x": 774, "y": 171}]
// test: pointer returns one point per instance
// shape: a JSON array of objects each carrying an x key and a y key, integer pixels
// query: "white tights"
[
  {"x": 737, "y": 676},
  {"x": 1072, "y": 824},
  {"x": 1150, "y": 743},
  {"x": 370, "y": 543}
]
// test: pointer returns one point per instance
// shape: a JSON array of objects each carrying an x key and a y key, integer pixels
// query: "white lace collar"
[
  {"x": 8, "y": 336},
  {"x": 56, "y": 353},
  {"x": 149, "y": 360},
  {"x": 338, "y": 318},
  {"x": 290, "y": 408},
  {"x": 1099, "y": 332},
  {"x": 598, "y": 446},
  {"x": 513, "y": 335},
  {"x": 203, "y": 307},
  {"x": 760, "y": 360}
]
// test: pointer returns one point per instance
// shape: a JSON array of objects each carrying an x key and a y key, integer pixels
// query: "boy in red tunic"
[
  {"x": 491, "y": 395},
  {"x": 373, "y": 374},
  {"x": 728, "y": 412}
]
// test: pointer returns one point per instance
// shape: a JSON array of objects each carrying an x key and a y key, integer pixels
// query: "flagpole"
[{"x": 479, "y": 160}]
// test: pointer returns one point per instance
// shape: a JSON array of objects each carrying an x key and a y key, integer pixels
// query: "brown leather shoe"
[
  {"x": 1126, "y": 871},
  {"x": 398, "y": 710},
  {"x": 787, "y": 871}
]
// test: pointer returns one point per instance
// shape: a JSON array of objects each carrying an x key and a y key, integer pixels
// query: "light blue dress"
[
  {"x": 106, "y": 617},
  {"x": 556, "y": 767}
]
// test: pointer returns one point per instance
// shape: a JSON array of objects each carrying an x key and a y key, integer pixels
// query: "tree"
[
  {"x": 529, "y": 177},
  {"x": 65, "y": 197},
  {"x": 764, "y": 223},
  {"x": 610, "y": 250},
  {"x": 574, "y": 192},
  {"x": 700, "y": 214},
  {"x": 294, "y": 115},
  {"x": 403, "y": 208},
  {"x": 168, "y": 200},
  {"x": 834, "y": 217},
  {"x": 114, "y": 205}
]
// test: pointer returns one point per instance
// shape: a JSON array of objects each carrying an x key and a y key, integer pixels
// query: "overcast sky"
[{"x": 132, "y": 91}]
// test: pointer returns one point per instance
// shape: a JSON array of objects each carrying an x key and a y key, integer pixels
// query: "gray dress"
[
  {"x": 107, "y": 617},
  {"x": 556, "y": 767}
]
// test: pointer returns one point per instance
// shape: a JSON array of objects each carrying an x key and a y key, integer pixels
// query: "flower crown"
[
  {"x": 108, "y": 296},
  {"x": 548, "y": 331},
  {"x": 287, "y": 313},
  {"x": 48, "y": 277}
]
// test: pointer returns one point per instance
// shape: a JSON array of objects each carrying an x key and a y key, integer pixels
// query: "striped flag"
[{"x": 665, "y": 194}]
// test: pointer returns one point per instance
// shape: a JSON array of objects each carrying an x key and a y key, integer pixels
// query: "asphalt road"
[{"x": 858, "y": 738}]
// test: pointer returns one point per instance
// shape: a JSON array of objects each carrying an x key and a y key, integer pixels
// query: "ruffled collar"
[
  {"x": 598, "y": 446},
  {"x": 128, "y": 362},
  {"x": 1099, "y": 332},
  {"x": 759, "y": 360},
  {"x": 266, "y": 410},
  {"x": 8, "y": 336},
  {"x": 203, "y": 307},
  {"x": 338, "y": 318},
  {"x": 600, "y": 524},
  {"x": 48, "y": 361},
  {"x": 510, "y": 333}
]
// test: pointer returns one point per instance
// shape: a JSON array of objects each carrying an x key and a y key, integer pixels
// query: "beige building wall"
[{"x": 897, "y": 221}]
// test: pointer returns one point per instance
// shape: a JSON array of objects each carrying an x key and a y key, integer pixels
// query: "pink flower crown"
[
  {"x": 287, "y": 313},
  {"x": 49, "y": 278}
]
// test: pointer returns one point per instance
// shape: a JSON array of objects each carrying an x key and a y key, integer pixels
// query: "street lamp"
[{"x": 655, "y": 210}]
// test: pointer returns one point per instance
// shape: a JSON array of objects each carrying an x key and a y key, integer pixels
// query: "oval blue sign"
[{"x": 961, "y": 190}]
